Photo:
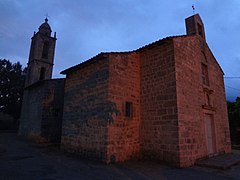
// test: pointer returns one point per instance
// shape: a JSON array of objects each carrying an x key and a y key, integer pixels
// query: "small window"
[
  {"x": 205, "y": 77},
  {"x": 42, "y": 73},
  {"x": 45, "y": 50},
  {"x": 200, "y": 30},
  {"x": 208, "y": 100},
  {"x": 129, "y": 109}
]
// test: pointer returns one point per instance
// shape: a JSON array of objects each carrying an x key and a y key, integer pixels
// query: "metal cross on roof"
[
  {"x": 193, "y": 7},
  {"x": 46, "y": 19},
  {"x": 47, "y": 16}
]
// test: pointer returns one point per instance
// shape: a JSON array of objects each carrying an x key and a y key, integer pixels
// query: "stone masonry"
[
  {"x": 159, "y": 120},
  {"x": 196, "y": 100},
  {"x": 174, "y": 90},
  {"x": 164, "y": 101},
  {"x": 42, "y": 108},
  {"x": 124, "y": 86},
  {"x": 41, "y": 117},
  {"x": 87, "y": 110}
]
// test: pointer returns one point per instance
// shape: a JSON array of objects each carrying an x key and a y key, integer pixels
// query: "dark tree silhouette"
[
  {"x": 12, "y": 77},
  {"x": 234, "y": 120}
]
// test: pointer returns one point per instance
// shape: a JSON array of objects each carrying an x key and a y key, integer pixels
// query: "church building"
[
  {"x": 164, "y": 101},
  {"x": 41, "y": 115}
]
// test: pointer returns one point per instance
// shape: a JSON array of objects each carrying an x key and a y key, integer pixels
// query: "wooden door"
[{"x": 209, "y": 133}]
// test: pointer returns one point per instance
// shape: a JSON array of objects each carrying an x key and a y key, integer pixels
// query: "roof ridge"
[{"x": 107, "y": 53}]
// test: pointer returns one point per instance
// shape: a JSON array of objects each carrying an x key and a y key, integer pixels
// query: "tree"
[
  {"x": 234, "y": 120},
  {"x": 12, "y": 77}
]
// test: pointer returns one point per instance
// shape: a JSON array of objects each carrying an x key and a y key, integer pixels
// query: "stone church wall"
[
  {"x": 158, "y": 110},
  {"x": 164, "y": 101},
  {"x": 87, "y": 110},
  {"x": 124, "y": 87},
  {"x": 195, "y": 100},
  {"x": 30, "y": 120},
  {"x": 41, "y": 116},
  {"x": 52, "y": 108}
]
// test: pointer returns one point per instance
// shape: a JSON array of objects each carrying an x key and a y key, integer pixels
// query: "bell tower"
[
  {"x": 41, "y": 56},
  {"x": 195, "y": 26}
]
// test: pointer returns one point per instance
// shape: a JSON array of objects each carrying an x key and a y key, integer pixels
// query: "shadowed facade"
[{"x": 41, "y": 116}]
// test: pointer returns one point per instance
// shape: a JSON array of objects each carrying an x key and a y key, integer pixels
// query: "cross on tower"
[
  {"x": 193, "y": 7},
  {"x": 47, "y": 15},
  {"x": 46, "y": 19}
]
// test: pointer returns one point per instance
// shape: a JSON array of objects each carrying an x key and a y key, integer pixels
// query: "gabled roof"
[
  {"x": 159, "y": 42},
  {"x": 92, "y": 60},
  {"x": 85, "y": 63},
  {"x": 104, "y": 54}
]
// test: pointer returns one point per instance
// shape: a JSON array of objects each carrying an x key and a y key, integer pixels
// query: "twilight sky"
[{"x": 87, "y": 27}]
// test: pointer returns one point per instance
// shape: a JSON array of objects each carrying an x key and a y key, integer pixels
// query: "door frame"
[{"x": 210, "y": 117}]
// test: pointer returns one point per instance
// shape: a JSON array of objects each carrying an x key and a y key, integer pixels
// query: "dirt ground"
[{"x": 20, "y": 159}]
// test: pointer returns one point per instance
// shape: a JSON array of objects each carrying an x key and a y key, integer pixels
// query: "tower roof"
[{"x": 45, "y": 28}]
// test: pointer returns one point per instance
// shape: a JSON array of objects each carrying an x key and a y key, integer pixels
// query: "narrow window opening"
[
  {"x": 129, "y": 109},
  {"x": 205, "y": 77},
  {"x": 45, "y": 50},
  {"x": 208, "y": 103},
  {"x": 42, "y": 73},
  {"x": 200, "y": 30}
]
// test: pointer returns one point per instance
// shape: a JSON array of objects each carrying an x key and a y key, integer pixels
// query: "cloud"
[{"x": 85, "y": 28}]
